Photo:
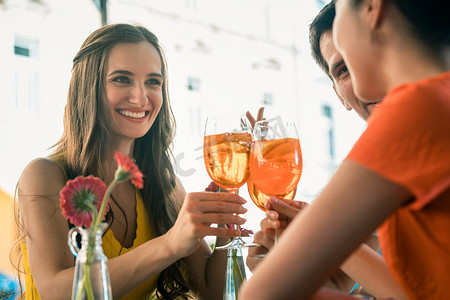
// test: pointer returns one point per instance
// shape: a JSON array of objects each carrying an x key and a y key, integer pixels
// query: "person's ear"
[
  {"x": 346, "y": 105},
  {"x": 374, "y": 11}
]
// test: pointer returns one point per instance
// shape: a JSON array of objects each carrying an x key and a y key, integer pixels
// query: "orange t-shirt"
[{"x": 407, "y": 141}]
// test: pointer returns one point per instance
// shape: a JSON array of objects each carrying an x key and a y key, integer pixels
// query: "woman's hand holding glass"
[
  {"x": 279, "y": 213},
  {"x": 199, "y": 211}
]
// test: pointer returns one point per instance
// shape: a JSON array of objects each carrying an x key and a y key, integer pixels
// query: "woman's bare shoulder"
[{"x": 41, "y": 176}]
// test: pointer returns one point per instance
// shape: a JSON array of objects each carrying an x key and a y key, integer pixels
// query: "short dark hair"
[
  {"x": 428, "y": 21},
  {"x": 322, "y": 23}
]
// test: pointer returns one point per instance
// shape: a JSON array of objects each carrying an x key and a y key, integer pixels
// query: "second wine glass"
[{"x": 275, "y": 160}]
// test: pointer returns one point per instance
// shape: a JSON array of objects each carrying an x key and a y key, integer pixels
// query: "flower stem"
[
  {"x": 237, "y": 274},
  {"x": 94, "y": 212},
  {"x": 101, "y": 212},
  {"x": 81, "y": 288},
  {"x": 96, "y": 220},
  {"x": 87, "y": 274},
  {"x": 238, "y": 268},
  {"x": 85, "y": 284}
]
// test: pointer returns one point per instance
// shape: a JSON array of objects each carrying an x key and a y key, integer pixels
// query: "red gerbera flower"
[
  {"x": 212, "y": 187},
  {"x": 128, "y": 170},
  {"x": 80, "y": 197},
  {"x": 245, "y": 232}
]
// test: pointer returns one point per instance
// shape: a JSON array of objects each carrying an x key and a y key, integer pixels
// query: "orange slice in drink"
[
  {"x": 269, "y": 145},
  {"x": 280, "y": 148}
]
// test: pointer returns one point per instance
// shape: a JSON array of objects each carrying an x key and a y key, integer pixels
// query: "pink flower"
[
  {"x": 212, "y": 187},
  {"x": 80, "y": 197},
  {"x": 245, "y": 232},
  {"x": 128, "y": 170}
]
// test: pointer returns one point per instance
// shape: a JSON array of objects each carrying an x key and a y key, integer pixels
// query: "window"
[
  {"x": 191, "y": 4},
  {"x": 194, "y": 106},
  {"x": 25, "y": 47},
  {"x": 193, "y": 84},
  {"x": 321, "y": 3},
  {"x": 267, "y": 99},
  {"x": 26, "y": 77},
  {"x": 327, "y": 112},
  {"x": 21, "y": 51}
]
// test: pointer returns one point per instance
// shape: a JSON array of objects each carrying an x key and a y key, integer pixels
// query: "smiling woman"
[
  {"x": 133, "y": 89},
  {"x": 118, "y": 101}
]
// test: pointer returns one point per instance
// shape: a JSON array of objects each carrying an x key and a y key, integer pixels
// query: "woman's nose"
[{"x": 139, "y": 96}]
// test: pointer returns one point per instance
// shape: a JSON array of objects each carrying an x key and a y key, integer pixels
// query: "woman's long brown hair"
[{"x": 84, "y": 143}]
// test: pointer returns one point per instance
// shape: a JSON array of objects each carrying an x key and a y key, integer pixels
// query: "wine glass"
[
  {"x": 259, "y": 198},
  {"x": 275, "y": 161},
  {"x": 226, "y": 155}
]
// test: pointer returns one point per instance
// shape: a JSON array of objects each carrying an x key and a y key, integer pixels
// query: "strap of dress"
[{"x": 59, "y": 160}]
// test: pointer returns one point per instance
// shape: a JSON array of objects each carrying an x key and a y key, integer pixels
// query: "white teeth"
[{"x": 134, "y": 115}]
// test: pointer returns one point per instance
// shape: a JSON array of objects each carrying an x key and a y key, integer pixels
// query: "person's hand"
[
  {"x": 255, "y": 254},
  {"x": 259, "y": 117},
  {"x": 278, "y": 216},
  {"x": 199, "y": 211},
  {"x": 279, "y": 213}
]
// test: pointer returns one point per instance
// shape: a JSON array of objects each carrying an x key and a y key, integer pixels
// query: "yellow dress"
[{"x": 111, "y": 248}]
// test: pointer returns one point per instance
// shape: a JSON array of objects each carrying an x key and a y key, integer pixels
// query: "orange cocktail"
[
  {"x": 259, "y": 198},
  {"x": 276, "y": 166},
  {"x": 226, "y": 158}
]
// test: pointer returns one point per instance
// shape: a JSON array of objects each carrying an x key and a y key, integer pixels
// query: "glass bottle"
[
  {"x": 235, "y": 274},
  {"x": 91, "y": 278}
]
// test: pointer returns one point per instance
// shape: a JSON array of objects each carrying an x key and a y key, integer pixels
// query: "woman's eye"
[
  {"x": 154, "y": 81},
  {"x": 121, "y": 79}
]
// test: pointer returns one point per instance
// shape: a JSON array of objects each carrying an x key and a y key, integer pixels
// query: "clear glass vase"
[
  {"x": 235, "y": 274},
  {"x": 91, "y": 278}
]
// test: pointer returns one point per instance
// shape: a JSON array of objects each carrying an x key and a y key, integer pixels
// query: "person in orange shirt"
[
  {"x": 397, "y": 175},
  {"x": 365, "y": 266}
]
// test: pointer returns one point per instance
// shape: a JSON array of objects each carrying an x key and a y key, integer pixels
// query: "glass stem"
[{"x": 234, "y": 191}]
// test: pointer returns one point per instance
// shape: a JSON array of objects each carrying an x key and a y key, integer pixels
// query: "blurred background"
[{"x": 224, "y": 56}]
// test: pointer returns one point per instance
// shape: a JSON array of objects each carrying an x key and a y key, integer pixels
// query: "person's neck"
[
  {"x": 446, "y": 57},
  {"x": 125, "y": 147},
  {"x": 408, "y": 62}
]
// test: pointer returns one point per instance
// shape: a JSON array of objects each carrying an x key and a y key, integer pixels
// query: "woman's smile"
[{"x": 133, "y": 115}]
